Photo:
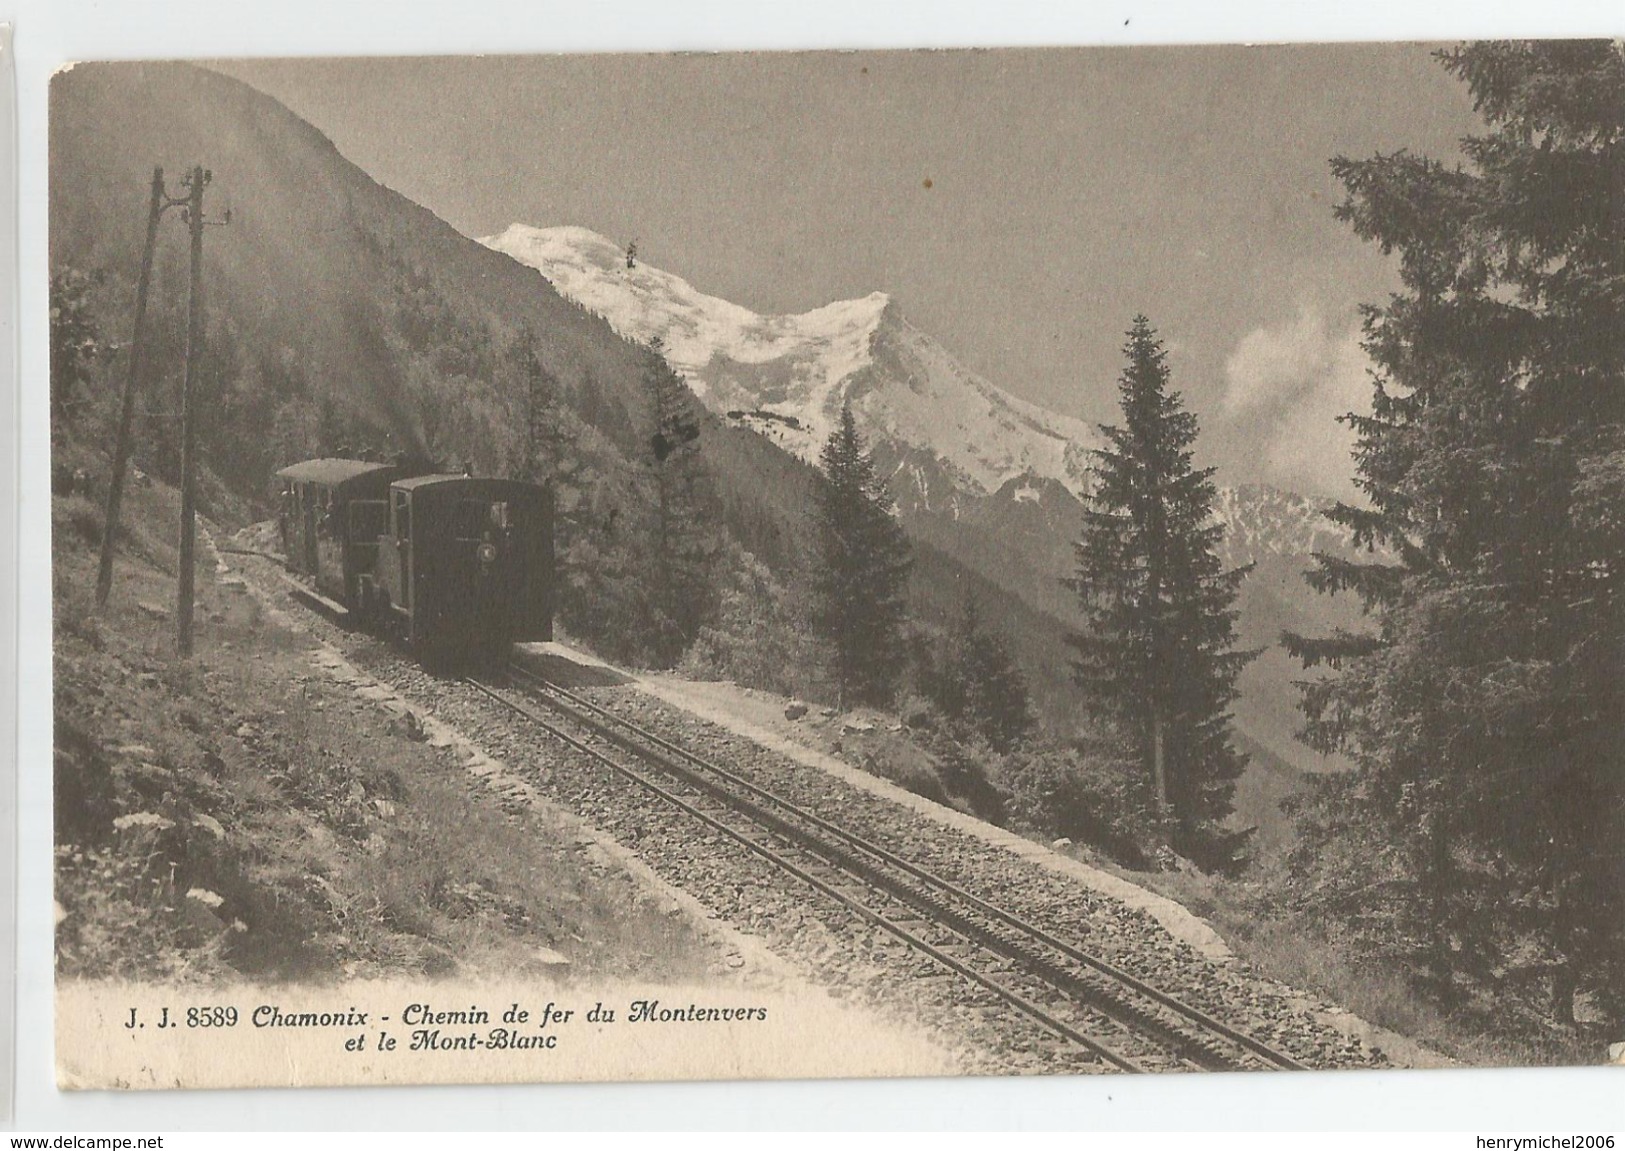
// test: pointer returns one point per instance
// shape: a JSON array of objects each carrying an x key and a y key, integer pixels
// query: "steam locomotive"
[{"x": 458, "y": 568}]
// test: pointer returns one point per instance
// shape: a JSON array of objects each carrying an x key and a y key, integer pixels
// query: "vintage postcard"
[{"x": 837, "y": 564}]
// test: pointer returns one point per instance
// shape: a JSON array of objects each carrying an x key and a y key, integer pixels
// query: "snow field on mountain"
[
  {"x": 906, "y": 388},
  {"x": 950, "y": 431},
  {"x": 644, "y": 302}
]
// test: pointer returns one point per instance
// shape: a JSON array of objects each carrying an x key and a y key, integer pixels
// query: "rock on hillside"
[{"x": 1261, "y": 522}]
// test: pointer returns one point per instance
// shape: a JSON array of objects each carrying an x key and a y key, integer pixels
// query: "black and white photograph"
[{"x": 1058, "y": 561}]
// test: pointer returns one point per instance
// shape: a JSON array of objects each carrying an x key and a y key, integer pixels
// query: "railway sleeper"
[{"x": 980, "y": 936}]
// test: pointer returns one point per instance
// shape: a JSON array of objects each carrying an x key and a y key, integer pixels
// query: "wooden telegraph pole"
[
  {"x": 184, "y": 589},
  {"x": 192, "y": 205},
  {"x": 121, "y": 450}
]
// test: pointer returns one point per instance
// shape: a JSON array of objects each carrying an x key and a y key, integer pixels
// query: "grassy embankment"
[
  {"x": 1306, "y": 953},
  {"x": 1249, "y": 912},
  {"x": 240, "y": 815}
]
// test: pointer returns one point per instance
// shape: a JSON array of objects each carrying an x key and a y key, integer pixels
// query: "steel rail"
[
  {"x": 778, "y": 859},
  {"x": 1192, "y": 1015},
  {"x": 1241, "y": 1039}
]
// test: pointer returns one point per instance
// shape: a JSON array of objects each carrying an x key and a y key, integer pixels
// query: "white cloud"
[{"x": 1291, "y": 381}]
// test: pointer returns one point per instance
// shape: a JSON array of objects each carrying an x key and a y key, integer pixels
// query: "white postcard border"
[{"x": 49, "y": 31}]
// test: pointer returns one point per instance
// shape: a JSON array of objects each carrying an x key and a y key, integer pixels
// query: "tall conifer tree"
[
  {"x": 1155, "y": 661},
  {"x": 685, "y": 548},
  {"x": 1486, "y": 710},
  {"x": 973, "y": 681},
  {"x": 546, "y": 443},
  {"x": 862, "y": 571}
]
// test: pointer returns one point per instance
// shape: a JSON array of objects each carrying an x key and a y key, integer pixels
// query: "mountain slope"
[
  {"x": 312, "y": 237},
  {"x": 981, "y": 477},
  {"x": 309, "y": 280},
  {"x": 990, "y": 483},
  {"x": 944, "y": 432}
]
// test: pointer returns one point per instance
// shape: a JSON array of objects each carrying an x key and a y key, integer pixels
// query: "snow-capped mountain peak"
[
  {"x": 698, "y": 330},
  {"x": 943, "y": 430},
  {"x": 1261, "y": 521}
]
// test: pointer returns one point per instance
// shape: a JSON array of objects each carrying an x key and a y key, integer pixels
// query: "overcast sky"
[{"x": 1021, "y": 206}]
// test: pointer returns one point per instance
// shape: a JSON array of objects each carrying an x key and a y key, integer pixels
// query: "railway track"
[{"x": 1111, "y": 1019}]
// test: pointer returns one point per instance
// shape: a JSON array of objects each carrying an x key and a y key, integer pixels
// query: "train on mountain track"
[{"x": 456, "y": 567}]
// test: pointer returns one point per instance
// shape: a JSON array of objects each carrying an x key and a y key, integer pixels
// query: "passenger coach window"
[{"x": 403, "y": 516}]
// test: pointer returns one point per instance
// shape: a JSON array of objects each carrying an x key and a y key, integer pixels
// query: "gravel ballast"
[{"x": 852, "y": 959}]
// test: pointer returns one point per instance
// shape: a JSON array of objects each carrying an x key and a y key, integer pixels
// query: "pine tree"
[
  {"x": 591, "y": 573},
  {"x": 76, "y": 341},
  {"x": 862, "y": 571},
  {"x": 999, "y": 705},
  {"x": 1486, "y": 710},
  {"x": 550, "y": 453},
  {"x": 685, "y": 549},
  {"x": 973, "y": 681},
  {"x": 1156, "y": 662},
  {"x": 545, "y": 444}
]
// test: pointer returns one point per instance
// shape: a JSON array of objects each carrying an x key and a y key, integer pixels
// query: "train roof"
[
  {"x": 413, "y": 483},
  {"x": 331, "y": 471}
]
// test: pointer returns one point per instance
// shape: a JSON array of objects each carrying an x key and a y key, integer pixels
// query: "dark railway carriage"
[
  {"x": 464, "y": 566},
  {"x": 333, "y": 512}
]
